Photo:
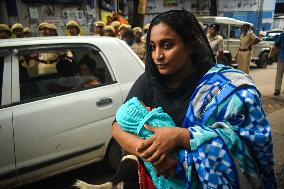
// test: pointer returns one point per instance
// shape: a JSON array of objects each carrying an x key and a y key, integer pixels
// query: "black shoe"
[{"x": 276, "y": 93}]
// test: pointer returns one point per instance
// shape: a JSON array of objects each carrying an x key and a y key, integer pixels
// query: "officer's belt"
[
  {"x": 244, "y": 50},
  {"x": 48, "y": 61}
]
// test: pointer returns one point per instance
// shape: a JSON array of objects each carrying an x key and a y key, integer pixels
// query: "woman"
[
  {"x": 222, "y": 136},
  {"x": 87, "y": 67}
]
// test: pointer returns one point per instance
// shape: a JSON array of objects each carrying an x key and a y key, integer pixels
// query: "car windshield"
[{"x": 271, "y": 36}]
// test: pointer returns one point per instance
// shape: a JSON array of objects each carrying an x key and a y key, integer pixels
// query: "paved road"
[{"x": 96, "y": 174}]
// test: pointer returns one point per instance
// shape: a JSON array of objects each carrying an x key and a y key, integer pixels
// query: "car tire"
[
  {"x": 114, "y": 154},
  {"x": 263, "y": 60}
]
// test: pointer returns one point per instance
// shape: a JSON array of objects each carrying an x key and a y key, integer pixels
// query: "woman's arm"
[
  {"x": 127, "y": 141},
  {"x": 164, "y": 141}
]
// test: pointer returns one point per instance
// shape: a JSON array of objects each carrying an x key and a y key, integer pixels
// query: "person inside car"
[{"x": 87, "y": 67}]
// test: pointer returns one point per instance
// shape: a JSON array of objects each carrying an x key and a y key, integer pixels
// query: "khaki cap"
[
  {"x": 109, "y": 28},
  {"x": 100, "y": 23},
  {"x": 50, "y": 26},
  {"x": 124, "y": 26},
  {"x": 115, "y": 24},
  {"x": 72, "y": 23},
  {"x": 4, "y": 27},
  {"x": 137, "y": 29},
  {"x": 27, "y": 30},
  {"x": 17, "y": 26},
  {"x": 146, "y": 26},
  {"x": 42, "y": 25}
]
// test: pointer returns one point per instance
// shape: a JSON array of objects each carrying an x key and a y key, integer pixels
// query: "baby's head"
[{"x": 131, "y": 112}]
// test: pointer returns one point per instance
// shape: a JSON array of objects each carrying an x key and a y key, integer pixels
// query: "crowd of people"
[{"x": 116, "y": 26}]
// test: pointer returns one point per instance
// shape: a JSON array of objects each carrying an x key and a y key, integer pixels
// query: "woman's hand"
[
  {"x": 162, "y": 143},
  {"x": 167, "y": 167}
]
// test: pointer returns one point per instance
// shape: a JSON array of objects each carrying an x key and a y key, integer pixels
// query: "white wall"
[{"x": 245, "y": 5}]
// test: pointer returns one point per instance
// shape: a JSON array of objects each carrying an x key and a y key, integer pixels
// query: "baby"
[{"x": 132, "y": 116}]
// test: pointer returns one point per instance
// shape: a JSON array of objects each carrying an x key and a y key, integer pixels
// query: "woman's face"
[{"x": 169, "y": 53}]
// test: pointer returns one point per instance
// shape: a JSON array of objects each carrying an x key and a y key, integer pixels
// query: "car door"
[
  {"x": 8, "y": 174},
  {"x": 57, "y": 128}
]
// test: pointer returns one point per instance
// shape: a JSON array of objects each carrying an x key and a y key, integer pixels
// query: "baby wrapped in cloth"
[{"x": 132, "y": 116}]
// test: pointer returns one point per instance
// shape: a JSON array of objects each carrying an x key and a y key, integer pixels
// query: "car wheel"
[
  {"x": 263, "y": 60},
  {"x": 114, "y": 154}
]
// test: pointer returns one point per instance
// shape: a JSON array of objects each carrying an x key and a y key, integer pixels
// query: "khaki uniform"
[
  {"x": 139, "y": 49},
  {"x": 244, "y": 54},
  {"x": 47, "y": 63},
  {"x": 31, "y": 65}
]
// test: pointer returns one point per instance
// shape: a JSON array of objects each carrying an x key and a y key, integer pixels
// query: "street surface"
[{"x": 273, "y": 106}]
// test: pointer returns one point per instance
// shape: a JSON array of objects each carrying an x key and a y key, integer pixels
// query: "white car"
[
  {"x": 231, "y": 31},
  {"x": 52, "y": 121}
]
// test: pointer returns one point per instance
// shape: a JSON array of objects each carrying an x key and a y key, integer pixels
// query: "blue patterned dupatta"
[{"x": 230, "y": 137}]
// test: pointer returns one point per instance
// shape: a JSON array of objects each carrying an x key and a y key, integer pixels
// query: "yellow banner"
[{"x": 142, "y": 6}]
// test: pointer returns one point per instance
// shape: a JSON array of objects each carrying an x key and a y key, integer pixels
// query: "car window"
[
  {"x": 53, "y": 72},
  {"x": 271, "y": 36},
  {"x": 224, "y": 31},
  {"x": 235, "y": 32}
]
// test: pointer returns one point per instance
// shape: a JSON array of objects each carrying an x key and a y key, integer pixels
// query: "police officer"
[
  {"x": 98, "y": 28},
  {"x": 43, "y": 30},
  {"x": 115, "y": 25},
  {"x": 139, "y": 47},
  {"x": 27, "y": 32},
  {"x": 73, "y": 28},
  {"x": 5, "y": 32},
  {"x": 109, "y": 31},
  {"x": 145, "y": 28},
  {"x": 216, "y": 41},
  {"x": 122, "y": 28},
  {"x": 244, "y": 54},
  {"x": 52, "y": 29},
  {"x": 18, "y": 30},
  {"x": 47, "y": 61}
]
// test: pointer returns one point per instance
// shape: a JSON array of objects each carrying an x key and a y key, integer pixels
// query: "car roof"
[
  {"x": 55, "y": 40},
  {"x": 222, "y": 20}
]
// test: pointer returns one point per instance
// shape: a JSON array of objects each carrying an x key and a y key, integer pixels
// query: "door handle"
[{"x": 104, "y": 101}]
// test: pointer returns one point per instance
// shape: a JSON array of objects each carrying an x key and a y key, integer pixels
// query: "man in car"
[
  {"x": 5, "y": 32},
  {"x": 216, "y": 41},
  {"x": 244, "y": 54},
  {"x": 18, "y": 30}
]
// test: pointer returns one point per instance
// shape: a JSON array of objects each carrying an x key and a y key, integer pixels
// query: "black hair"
[
  {"x": 128, "y": 33},
  {"x": 65, "y": 68},
  {"x": 187, "y": 27},
  {"x": 89, "y": 62},
  {"x": 128, "y": 36}
]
